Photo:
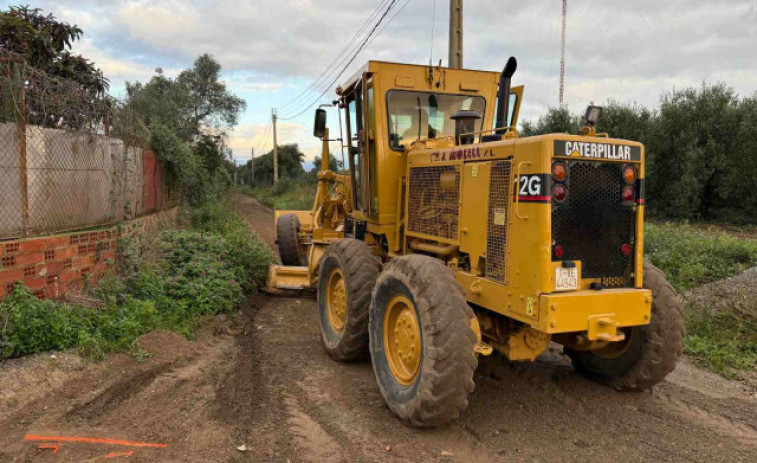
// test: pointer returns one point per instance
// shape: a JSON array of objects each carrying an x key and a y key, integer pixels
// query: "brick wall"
[{"x": 53, "y": 265}]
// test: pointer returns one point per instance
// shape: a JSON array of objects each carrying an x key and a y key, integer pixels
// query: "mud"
[{"x": 257, "y": 386}]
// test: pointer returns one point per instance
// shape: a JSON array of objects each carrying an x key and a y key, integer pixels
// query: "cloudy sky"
[{"x": 272, "y": 50}]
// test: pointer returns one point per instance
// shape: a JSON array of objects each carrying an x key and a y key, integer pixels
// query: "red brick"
[
  {"x": 54, "y": 266},
  {"x": 29, "y": 259},
  {"x": 84, "y": 261},
  {"x": 65, "y": 252},
  {"x": 35, "y": 283},
  {"x": 10, "y": 275},
  {"x": 106, "y": 255},
  {"x": 57, "y": 241},
  {"x": 32, "y": 245},
  {"x": 52, "y": 290},
  {"x": 68, "y": 276}
]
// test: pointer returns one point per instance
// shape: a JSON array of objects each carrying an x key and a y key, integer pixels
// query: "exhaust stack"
[{"x": 503, "y": 95}]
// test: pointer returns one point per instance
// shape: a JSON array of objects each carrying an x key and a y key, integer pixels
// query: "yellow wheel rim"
[
  {"x": 402, "y": 340},
  {"x": 336, "y": 300},
  {"x": 614, "y": 350}
]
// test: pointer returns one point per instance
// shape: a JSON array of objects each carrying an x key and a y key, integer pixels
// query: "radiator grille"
[
  {"x": 498, "y": 220},
  {"x": 592, "y": 223},
  {"x": 433, "y": 201}
]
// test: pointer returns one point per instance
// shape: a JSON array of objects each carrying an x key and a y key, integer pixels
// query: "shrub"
[
  {"x": 692, "y": 257},
  {"x": 166, "y": 283}
]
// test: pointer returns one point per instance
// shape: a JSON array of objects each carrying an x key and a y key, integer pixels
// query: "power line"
[
  {"x": 333, "y": 65},
  {"x": 407, "y": 2},
  {"x": 354, "y": 55}
]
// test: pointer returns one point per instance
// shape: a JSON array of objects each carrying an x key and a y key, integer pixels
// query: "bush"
[
  {"x": 692, "y": 257},
  {"x": 168, "y": 283}
]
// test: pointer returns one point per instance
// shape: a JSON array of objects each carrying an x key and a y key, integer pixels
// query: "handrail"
[{"x": 517, "y": 190}]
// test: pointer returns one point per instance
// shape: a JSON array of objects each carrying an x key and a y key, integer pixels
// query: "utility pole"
[
  {"x": 252, "y": 166},
  {"x": 456, "y": 34},
  {"x": 274, "y": 116},
  {"x": 562, "y": 53}
]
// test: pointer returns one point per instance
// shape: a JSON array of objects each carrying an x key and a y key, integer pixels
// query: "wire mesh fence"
[{"x": 70, "y": 157}]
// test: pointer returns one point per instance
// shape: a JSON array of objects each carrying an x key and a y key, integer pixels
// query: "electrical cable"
[{"x": 359, "y": 49}]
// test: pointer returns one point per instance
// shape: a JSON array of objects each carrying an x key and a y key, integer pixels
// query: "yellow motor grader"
[{"x": 449, "y": 236}]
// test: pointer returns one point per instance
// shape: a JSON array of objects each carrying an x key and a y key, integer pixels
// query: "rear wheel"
[
  {"x": 347, "y": 274},
  {"x": 290, "y": 251},
  {"x": 422, "y": 341},
  {"x": 648, "y": 353}
]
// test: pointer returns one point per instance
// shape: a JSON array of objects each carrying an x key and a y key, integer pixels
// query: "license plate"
[{"x": 566, "y": 278}]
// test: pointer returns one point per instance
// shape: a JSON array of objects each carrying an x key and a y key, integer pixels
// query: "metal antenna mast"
[{"x": 562, "y": 53}]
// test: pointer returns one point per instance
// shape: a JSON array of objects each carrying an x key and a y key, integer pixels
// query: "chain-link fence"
[{"x": 70, "y": 157}]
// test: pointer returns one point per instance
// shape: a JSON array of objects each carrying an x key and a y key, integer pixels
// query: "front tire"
[
  {"x": 287, "y": 231},
  {"x": 421, "y": 341},
  {"x": 346, "y": 277},
  {"x": 649, "y": 353}
]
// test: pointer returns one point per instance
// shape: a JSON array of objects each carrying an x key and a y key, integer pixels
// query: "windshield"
[{"x": 422, "y": 115}]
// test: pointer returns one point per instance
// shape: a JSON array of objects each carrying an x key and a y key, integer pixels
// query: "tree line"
[{"x": 701, "y": 150}]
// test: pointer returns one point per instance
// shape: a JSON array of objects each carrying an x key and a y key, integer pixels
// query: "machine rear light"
[
  {"x": 627, "y": 194},
  {"x": 626, "y": 250},
  {"x": 559, "y": 192},
  {"x": 629, "y": 174},
  {"x": 559, "y": 251},
  {"x": 558, "y": 171}
]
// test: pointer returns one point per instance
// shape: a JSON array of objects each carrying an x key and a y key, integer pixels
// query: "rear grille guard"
[{"x": 592, "y": 223}]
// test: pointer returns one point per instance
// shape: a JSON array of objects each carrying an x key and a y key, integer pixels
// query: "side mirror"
[{"x": 319, "y": 128}]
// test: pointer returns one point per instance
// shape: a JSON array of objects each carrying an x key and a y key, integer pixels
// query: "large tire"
[
  {"x": 444, "y": 371},
  {"x": 344, "y": 329},
  {"x": 652, "y": 350},
  {"x": 287, "y": 229}
]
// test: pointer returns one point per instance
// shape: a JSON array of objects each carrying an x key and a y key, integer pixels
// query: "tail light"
[
  {"x": 559, "y": 251},
  {"x": 629, "y": 174},
  {"x": 627, "y": 194},
  {"x": 558, "y": 171},
  {"x": 559, "y": 192},
  {"x": 626, "y": 250}
]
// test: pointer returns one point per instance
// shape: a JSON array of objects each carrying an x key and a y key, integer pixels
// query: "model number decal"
[{"x": 532, "y": 188}]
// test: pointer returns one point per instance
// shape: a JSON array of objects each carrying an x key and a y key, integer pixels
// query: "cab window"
[{"x": 424, "y": 115}]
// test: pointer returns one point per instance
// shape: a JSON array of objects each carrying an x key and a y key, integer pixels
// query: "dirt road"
[{"x": 259, "y": 381}]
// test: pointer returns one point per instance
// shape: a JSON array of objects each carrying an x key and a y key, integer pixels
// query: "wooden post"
[
  {"x": 22, "y": 171},
  {"x": 275, "y": 116}
]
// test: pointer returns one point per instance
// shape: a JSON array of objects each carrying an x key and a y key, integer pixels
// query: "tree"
[
  {"x": 207, "y": 97},
  {"x": 290, "y": 164},
  {"x": 557, "y": 120},
  {"x": 187, "y": 118},
  {"x": 43, "y": 42}
]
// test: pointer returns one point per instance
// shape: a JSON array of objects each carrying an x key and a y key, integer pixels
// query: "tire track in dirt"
[
  {"x": 261, "y": 379},
  {"x": 518, "y": 412}
]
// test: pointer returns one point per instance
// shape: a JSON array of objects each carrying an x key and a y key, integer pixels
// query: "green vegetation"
[
  {"x": 169, "y": 282},
  {"x": 700, "y": 150},
  {"x": 287, "y": 195},
  {"x": 694, "y": 256},
  {"x": 722, "y": 333},
  {"x": 721, "y": 316}
]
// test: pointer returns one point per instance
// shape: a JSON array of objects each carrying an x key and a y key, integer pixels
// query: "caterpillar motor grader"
[{"x": 449, "y": 236}]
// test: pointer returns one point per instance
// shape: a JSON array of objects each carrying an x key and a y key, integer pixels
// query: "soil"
[{"x": 257, "y": 386}]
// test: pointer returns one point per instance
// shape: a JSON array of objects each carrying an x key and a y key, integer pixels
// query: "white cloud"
[{"x": 627, "y": 51}]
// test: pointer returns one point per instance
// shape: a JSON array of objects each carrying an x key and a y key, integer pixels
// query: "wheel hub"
[
  {"x": 337, "y": 300},
  {"x": 402, "y": 340}
]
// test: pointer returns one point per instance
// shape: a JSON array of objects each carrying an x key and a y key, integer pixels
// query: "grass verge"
[
  {"x": 287, "y": 195},
  {"x": 168, "y": 282},
  {"x": 705, "y": 264}
]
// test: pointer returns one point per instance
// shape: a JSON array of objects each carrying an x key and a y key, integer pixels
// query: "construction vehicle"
[{"x": 449, "y": 236}]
